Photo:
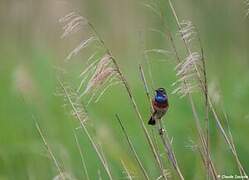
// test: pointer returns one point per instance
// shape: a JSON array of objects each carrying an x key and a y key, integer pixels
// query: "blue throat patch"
[{"x": 160, "y": 98}]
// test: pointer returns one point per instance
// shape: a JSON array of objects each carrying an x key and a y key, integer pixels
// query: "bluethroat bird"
[{"x": 160, "y": 105}]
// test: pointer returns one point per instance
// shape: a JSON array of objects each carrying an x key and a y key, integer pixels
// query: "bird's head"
[{"x": 161, "y": 95}]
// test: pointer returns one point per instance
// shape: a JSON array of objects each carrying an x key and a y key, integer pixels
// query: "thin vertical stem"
[
  {"x": 232, "y": 141},
  {"x": 50, "y": 151},
  {"x": 167, "y": 145},
  {"x": 84, "y": 129},
  {"x": 205, "y": 91},
  {"x": 81, "y": 156},
  {"x": 200, "y": 132},
  {"x": 132, "y": 148},
  {"x": 227, "y": 140}
]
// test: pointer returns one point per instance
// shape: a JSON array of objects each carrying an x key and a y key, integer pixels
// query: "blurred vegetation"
[{"x": 31, "y": 49}]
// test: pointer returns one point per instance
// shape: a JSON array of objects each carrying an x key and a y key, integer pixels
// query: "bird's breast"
[{"x": 160, "y": 106}]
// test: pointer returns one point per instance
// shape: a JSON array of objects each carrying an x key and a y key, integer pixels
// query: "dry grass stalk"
[
  {"x": 49, "y": 150},
  {"x": 132, "y": 148},
  {"x": 169, "y": 149},
  {"x": 159, "y": 153},
  {"x": 205, "y": 92},
  {"x": 83, "y": 127},
  {"x": 161, "y": 131}
]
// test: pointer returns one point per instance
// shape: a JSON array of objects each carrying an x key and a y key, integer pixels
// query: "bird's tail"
[{"x": 152, "y": 121}]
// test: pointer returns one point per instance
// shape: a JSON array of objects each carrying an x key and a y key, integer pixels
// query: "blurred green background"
[{"x": 31, "y": 50}]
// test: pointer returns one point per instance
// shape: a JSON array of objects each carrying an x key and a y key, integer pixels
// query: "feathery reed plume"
[
  {"x": 81, "y": 156},
  {"x": 72, "y": 23},
  {"x": 51, "y": 154},
  {"x": 102, "y": 75},
  {"x": 132, "y": 148},
  {"x": 161, "y": 130},
  {"x": 186, "y": 73},
  {"x": 187, "y": 30},
  {"x": 83, "y": 126}
]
